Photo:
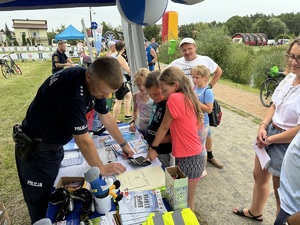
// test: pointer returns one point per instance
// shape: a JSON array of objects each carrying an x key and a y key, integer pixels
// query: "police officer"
[
  {"x": 58, "y": 113},
  {"x": 59, "y": 58}
]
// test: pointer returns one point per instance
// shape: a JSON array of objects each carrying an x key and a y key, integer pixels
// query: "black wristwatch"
[
  {"x": 132, "y": 121},
  {"x": 154, "y": 147},
  {"x": 210, "y": 86}
]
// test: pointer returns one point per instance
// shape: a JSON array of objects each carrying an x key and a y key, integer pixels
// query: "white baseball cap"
[
  {"x": 187, "y": 40},
  {"x": 110, "y": 43}
]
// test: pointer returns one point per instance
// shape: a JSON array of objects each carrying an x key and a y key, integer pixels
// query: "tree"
[
  {"x": 261, "y": 26},
  {"x": 276, "y": 26},
  {"x": 16, "y": 43},
  {"x": 237, "y": 24},
  {"x": 152, "y": 31},
  {"x": 7, "y": 32},
  {"x": 28, "y": 41},
  {"x": 24, "y": 39},
  {"x": 187, "y": 30},
  {"x": 33, "y": 41},
  {"x": 292, "y": 22}
]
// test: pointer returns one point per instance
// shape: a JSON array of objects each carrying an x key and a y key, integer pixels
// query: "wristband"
[
  {"x": 132, "y": 121},
  {"x": 154, "y": 147},
  {"x": 210, "y": 86},
  {"x": 123, "y": 144}
]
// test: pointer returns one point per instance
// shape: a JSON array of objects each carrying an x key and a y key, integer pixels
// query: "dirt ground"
[{"x": 238, "y": 99}]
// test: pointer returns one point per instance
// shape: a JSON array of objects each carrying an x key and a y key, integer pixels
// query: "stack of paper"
[{"x": 135, "y": 206}]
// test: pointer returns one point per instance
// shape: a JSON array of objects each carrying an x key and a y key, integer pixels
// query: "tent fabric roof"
[
  {"x": 8, "y": 5},
  {"x": 70, "y": 33}
]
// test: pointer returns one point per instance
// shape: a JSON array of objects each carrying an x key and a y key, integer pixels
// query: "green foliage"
[
  {"x": 16, "y": 43},
  {"x": 7, "y": 32},
  {"x": 24, "y": 39},
  {"x": 28, "y": 41},
  {"x": 238, "y": 66},
  {"x": 152, "y": 31},
  {"x": 214, "y": 43},
  {"x": 237, "y": 24},
  {"x": 265, "y": 58}
]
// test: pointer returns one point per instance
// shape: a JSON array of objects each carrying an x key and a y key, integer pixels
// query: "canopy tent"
[{"x": 70, "y": 33}]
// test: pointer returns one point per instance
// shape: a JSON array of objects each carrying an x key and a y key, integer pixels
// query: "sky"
[{"x": 206, "y": 11}]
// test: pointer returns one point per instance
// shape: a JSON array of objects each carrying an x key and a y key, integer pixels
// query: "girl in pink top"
[{"x": 183, "y": 117}]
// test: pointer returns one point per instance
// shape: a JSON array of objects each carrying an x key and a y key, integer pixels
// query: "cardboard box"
[
  {"x": 176, "y": 187},
  {"x": 71, "y": 183},
  {"x": 4, "y": 219}
]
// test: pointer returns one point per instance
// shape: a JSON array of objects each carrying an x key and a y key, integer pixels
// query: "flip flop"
[{"x": 241, "y": 213}]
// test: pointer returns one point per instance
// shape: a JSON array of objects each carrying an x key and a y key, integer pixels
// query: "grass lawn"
[{"x": 17, "y": 93}]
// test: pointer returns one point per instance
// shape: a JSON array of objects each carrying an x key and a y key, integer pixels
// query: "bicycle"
[
  {"x": 269, "y": 85},
  {"x": 9, "y": 66}
]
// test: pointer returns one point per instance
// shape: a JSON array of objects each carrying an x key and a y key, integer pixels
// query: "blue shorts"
[{"x": 276, "y": 153}]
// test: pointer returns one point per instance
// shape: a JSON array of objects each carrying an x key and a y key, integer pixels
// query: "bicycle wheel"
[
  {"x": 16, "y": 69},
  {"x": 266, "y": 91},
  {"x": 5, "y": 70}
]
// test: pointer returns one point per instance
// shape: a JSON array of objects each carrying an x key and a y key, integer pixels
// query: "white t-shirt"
[
  {"x": 186, "y": 66},
  {"x": 286, "y": 99}
]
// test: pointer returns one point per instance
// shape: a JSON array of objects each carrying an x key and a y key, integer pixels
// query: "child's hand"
[
  {"x": 152, "y": 154},
  {"x": 132, "y": 127}
]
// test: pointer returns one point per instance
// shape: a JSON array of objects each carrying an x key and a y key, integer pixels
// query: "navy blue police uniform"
[
  {"x": 56, "y": 113},
  {"x": 58, "y": 57},
  {"x": 156, "y": 117}
]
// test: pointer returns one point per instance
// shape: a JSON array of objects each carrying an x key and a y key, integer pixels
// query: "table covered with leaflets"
[{"x": 138, "y": 196}]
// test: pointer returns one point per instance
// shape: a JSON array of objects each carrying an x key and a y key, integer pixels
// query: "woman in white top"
[{"x": 276, "y": 131}]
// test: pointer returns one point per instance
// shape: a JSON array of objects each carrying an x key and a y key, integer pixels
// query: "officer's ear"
[{"x": 88, "y": 77}]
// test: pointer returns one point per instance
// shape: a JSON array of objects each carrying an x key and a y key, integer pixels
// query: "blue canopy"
[{"x": 70, "y": 33}]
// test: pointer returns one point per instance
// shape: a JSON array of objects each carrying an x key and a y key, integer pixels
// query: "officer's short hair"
[{"x": 109, "y": 70}]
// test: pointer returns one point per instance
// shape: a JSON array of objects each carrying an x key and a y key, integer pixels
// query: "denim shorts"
[{"x": 276, "y": 153}]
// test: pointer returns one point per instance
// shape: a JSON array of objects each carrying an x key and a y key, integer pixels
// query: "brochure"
[{"x": 141, "y": 202}]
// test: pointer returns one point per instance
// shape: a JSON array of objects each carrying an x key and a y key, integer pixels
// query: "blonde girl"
[{"x": 142, "y": 104}]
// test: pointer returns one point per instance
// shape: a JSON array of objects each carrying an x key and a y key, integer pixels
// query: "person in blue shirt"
[
  {"x": 55, "y": 116},
  {"x": 151, "y": 55},
  {"x": 200, "y": 76}
]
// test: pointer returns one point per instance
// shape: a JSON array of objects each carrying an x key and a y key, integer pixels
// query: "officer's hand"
[
  {"x": 113, "y": 168},
  {"x": 127, "y": 151}
]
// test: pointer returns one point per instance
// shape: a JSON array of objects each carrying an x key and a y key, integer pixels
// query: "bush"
[
  {"x": 239, "y": 64},
  {"x": 266, "y": 58}
]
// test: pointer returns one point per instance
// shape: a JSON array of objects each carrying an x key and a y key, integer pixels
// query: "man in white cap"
[{"x": 189, "y": 60}]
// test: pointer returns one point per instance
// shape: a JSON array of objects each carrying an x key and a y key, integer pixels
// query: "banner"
[{"x": 98, "y": 38}]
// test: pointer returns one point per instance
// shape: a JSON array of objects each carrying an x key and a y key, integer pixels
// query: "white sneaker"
[{"x": 204, "y": 173}]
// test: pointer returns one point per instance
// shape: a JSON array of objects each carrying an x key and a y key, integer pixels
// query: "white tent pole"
[
  {"x": 135, "y": 48},
  {"x": 87, "y": 40}
]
